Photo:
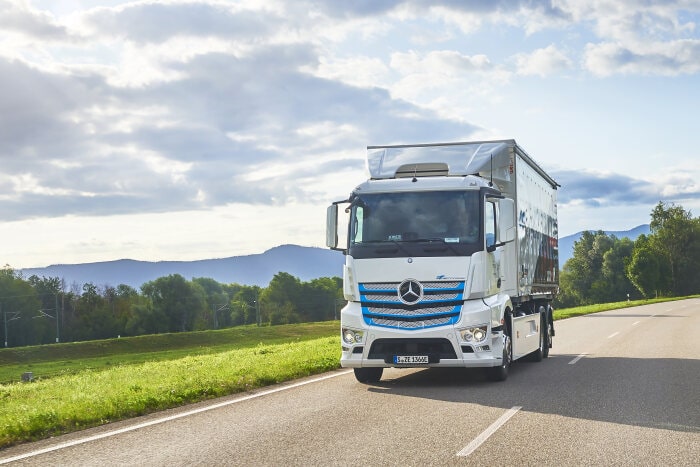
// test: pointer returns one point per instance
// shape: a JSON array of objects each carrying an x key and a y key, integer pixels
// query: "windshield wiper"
[
  {"x": 399, "y": 247},
  {"x": 435, "y": 239}
]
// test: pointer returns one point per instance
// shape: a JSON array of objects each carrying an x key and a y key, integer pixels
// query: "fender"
[{"x": 504, "y": 304}]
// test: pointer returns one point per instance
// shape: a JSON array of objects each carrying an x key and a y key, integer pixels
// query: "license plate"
[{"x": 410, "y": 359}]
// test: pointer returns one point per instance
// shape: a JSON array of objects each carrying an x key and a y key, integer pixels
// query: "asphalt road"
[{"x": 620, "y": 388}]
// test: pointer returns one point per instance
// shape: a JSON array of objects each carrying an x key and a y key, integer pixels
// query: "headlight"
[
  {"x": 474, "y": 334},
  {"x": 350, "y": 336}
]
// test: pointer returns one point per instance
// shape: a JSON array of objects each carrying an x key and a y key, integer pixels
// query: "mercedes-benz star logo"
[{"x": 410, "y": 291}]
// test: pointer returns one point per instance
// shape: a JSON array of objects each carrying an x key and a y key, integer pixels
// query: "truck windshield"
[{"x": 435, "y": 223}]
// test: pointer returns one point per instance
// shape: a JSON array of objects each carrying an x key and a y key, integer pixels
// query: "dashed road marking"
[
  {"x": 479, "y": 440},
  {"x": 613, "y": 334},
  {"x": 573, "y": 362}
]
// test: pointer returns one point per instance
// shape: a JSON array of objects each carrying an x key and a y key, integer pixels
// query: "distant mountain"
[
  {"x": 566, "y": 244},
  {"x": 306, "y": 263}
]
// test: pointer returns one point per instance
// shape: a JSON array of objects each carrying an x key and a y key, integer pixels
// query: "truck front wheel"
[{"x": 368, "y": 375}]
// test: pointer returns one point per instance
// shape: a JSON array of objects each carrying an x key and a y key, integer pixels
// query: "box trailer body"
[{"x": 451, "y": 258}]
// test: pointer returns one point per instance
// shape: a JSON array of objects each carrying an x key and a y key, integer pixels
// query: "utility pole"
[
  {"x": 216, "y": 309},
  {"x": 4, "y": 317},
  {"x": 257, "y": 311},
  {"x": 56, "y": 303}
]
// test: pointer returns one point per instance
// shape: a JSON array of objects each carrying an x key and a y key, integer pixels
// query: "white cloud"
[
  {"x": 639, "y": 37},
  {"x": 17, "y": 16},
  {"x": 668, "y": 58},
  {"x": 446, "y": 81},
  {"x": 543, "y": 62},
  {"x": 358, "y": 71}
]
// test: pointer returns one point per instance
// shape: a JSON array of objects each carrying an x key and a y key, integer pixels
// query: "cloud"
[
  {"x": 159, "y": 21},
  {"x": 19, "y": 17},
  {"x": 35, "y": 110},
  {"x": 76, "y": 145},
  {"x": 669, "y": 59},
  {"x": 543, "y": 62},
  {"x": 639, "y": 37},
  {"x": 470, "y": 16},
  {"x": 595, "y": 189}
]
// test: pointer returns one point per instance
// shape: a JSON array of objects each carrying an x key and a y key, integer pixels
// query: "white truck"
[{"x": 451, "y": 259}]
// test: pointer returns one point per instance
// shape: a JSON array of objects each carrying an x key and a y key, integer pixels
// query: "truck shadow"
[{"x": 642, "y": 392}]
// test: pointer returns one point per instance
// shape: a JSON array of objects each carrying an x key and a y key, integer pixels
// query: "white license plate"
[{"x": 410, "y": 359}]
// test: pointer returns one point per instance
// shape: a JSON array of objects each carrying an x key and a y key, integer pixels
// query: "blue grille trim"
[
  {"x": 416, "y": 316},
  {"x": 369, "y": 314},
  {"x": 446, "y": 301}
]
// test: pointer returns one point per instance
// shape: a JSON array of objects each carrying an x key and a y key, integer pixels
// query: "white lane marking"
[
  {"x": 636, "y": 323},
  {"x": 613, "y": 334},
  {"x": 573, "y": 362},
  {"x": 167, "y": 419},
  {"x": 479, "y": 440}
]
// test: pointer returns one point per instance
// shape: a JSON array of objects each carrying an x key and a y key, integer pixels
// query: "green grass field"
[
  {"x": 62, "y": 359},
  {"x": 84, "y": 384}
]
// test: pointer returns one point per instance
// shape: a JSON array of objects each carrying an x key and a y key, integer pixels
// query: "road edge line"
[{"x": 166, "y": 419}]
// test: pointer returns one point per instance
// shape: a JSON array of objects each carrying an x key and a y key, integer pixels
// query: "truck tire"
[
  {"x": 368, "y": 375},
  {"x": 549, "y": 326},
  {"x": 500, "y": 373},
  {"x": 545, "y": 339},
  {"x": 539, "y": 354}
]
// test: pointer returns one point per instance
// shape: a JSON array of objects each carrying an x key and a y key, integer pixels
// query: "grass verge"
[
  {"x": 53, "y": 360},
  {"x": 94, "y": 397},
  {"x": 588, "y": 309}
]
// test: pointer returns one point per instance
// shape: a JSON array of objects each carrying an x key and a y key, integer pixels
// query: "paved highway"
[{"x": 619, "y": 388}]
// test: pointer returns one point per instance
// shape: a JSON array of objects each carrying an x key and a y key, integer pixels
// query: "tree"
[
  {"x": 647, "y": 270},
  {"x": 49, "y": 291},
  {"x": 617, "y": 284},
  {"x": 583, "y": 271},
  {"x": 281, "y": 298},
  {"x": 676, "y": 236},
  {"x": 19, "y": 305},
  {"x": 218, "y": 302},
  {"x": 181, "y": 302},
  {"x": 244, "y": 305},
  {"x": 322, "y": 298}
]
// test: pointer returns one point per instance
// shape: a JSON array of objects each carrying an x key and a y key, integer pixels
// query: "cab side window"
[{"x": 490, "y": 223}]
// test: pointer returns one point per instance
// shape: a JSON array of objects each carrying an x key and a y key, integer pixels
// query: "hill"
[
  {"x": 566, "y": 244},
  {"x": 306, "y": 263}
]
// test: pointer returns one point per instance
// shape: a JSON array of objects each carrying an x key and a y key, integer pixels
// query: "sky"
[{"x": 182, "y": 130}]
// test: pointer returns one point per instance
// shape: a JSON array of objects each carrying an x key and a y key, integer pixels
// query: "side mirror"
[
  {"x": 332, "y": 226},
  {"x": 506, "y": 220}
]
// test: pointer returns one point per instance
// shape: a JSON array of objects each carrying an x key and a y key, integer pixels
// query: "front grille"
[
  {"x": 440, "y": 305},
  {"x": 436, "y": 349}
]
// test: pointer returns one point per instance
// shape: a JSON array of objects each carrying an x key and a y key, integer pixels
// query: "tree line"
[
  {"x": 39, "y": 310},
  {"x": 666, "y": 262}
]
